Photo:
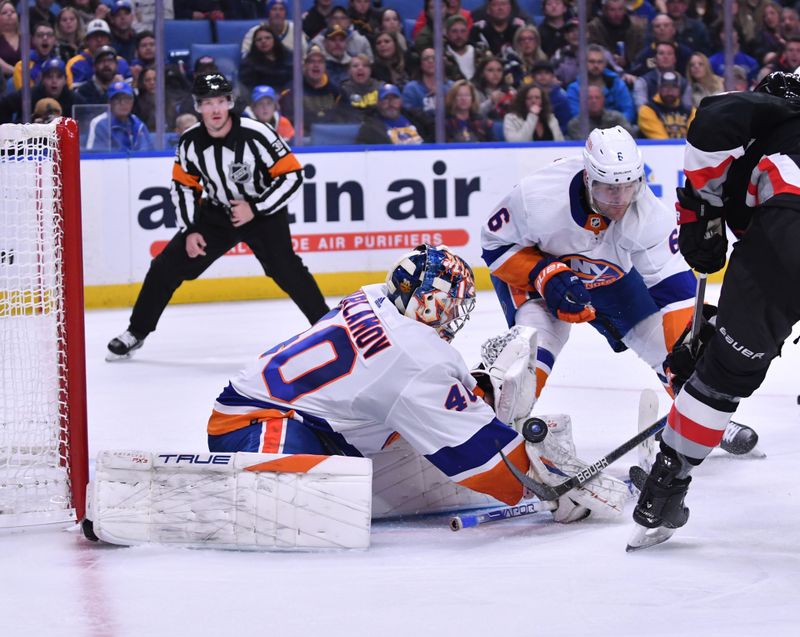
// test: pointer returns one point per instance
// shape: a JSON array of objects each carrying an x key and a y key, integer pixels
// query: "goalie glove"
[
  {"x": 553, "y": 461},
  {"x": 507, "y": 374}
]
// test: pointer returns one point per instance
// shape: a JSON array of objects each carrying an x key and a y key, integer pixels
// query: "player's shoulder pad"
[
  {"x": 546, "y": 190},
  {"x": 653, "y": 222}
]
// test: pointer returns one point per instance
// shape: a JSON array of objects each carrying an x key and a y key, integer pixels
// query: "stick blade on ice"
[{"x": 648, "y": 413}]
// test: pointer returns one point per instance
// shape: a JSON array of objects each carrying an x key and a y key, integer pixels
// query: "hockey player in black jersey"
[
  {"x": 232, "y": 179},
  {"x": 742, "y": 167}
]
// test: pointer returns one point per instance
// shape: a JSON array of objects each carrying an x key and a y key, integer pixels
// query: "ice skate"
[
  {"x": 123, "y": 346},
  {"x": 660, "y": 510},
  {"x": 740, "y": 439}
]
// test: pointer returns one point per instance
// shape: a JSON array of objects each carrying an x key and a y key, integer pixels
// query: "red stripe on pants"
[
  {"x": 273, "y": 435},
  {"x": 693, "y": 431}
]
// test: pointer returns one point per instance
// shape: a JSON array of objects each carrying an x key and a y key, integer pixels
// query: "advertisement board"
[{"x": 355, "y": 214}]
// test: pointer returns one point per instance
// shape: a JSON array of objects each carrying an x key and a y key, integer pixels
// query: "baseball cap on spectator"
[
  {"x": 314, "y": 50},
  {"x": 119, "y": 5},
  {"x": 105, "y": 51},
  {"x": 453, "y": 19},
  {"x": 669, "y": 78},
  {"x": 335, "y": 31},
  {"x": 571, "y": 24},
  {"x": 53, "y": 64},
  {"x": 542, "y": 65},
  {"x": 47, "y": 107},
  {"x": 740, "y": 73},
  {"x": 388, "y": 89},
  {"x": 119, "y": 88},
  {"x": 337, "y": 9},
  {"x": 97, "y": 26},
  {"x": 272, "y": 3},
  {"x": 262, "y": 91}
]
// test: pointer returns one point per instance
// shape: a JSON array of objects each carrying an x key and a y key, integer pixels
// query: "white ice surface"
[{"x": 733, "y": 570}]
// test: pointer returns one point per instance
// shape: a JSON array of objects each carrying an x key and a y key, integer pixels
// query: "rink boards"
[{"x": 356, "y": 213}]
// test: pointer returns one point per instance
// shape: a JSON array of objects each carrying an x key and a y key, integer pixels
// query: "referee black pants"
[
  {"x": 269, "y": 239},
  {"x": 758, "y": 306}
]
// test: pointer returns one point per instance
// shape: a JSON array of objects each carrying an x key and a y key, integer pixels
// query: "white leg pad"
[
  {"x": 247, "y": 501},
  {"x": 405, "y": 483}
]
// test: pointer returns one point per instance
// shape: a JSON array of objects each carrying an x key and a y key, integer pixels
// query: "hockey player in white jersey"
[
  {"x": 378, "y": 367},
  {"x": 375, "y": 378},
  {"x": 606, "y": 254}
]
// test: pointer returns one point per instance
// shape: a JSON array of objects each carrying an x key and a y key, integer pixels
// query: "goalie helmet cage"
[{"x": 43, "y": 442}]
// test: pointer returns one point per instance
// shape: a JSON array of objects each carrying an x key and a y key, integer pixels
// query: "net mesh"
[{"x": 34, "y": 476}]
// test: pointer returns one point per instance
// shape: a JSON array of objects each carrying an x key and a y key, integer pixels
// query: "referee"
[{"x": 232, "y": 179}]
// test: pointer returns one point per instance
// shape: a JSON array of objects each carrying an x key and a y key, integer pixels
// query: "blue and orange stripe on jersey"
[
  {"x": 231, "y": 402},
  {"x": 477, "y": 465},
  {"x": 512, "y": 264}
]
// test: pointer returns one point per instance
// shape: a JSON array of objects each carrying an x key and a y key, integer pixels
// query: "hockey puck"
[{"x": 534, "y": 430}]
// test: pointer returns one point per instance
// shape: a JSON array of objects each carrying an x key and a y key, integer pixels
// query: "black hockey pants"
[
  {"x": 758, "y": 306},
  {"x": 269, "y": 239}
]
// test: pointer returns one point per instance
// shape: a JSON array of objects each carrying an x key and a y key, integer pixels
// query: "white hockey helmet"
[{"x": 614, "y": 170}]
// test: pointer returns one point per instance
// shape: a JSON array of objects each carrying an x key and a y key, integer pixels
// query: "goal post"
[{"x": 43, "y": 438}]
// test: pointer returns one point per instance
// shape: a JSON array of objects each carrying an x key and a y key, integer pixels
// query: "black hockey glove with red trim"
[{"x": 701, "y": 239}]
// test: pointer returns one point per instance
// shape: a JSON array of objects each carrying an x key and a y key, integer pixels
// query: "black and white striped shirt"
[{"x": 251, "y": 163}]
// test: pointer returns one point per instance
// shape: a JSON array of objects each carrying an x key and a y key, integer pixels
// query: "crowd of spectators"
[{"x": 508, "y": 75}]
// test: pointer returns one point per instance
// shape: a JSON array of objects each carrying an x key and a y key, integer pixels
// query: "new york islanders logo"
[{"x": 593, "y": 273}]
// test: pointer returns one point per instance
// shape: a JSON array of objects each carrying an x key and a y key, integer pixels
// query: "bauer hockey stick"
[
  {"x": 459, "y": 522},
  {"x": 553, "y": 492},
  {"x": 697, "y": 315}
]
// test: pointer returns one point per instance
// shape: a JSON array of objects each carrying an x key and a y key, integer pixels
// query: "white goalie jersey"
[{"x": 363, "y": 375}]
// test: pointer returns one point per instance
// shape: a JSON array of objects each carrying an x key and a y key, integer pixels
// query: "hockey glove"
[
  {"x": 701, "y": 239},
  {"x": 562, "y": 290},
  {"x": 682, "y": 359}
]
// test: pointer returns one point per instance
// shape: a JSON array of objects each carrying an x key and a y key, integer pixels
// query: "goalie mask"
[
  {"x": 614, "y": 171},
  {"x": 433, "y": 286}
]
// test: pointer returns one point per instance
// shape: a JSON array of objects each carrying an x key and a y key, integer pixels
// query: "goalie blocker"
[{"x": 246, "y": 501}]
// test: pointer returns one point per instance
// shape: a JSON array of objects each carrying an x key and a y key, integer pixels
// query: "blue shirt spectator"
[
  {"x": 616, "y": 93},
  {"x": 123, "y": 37},
  {"x": 717, "y": 60},
  {"x": 119, "y": 129}
]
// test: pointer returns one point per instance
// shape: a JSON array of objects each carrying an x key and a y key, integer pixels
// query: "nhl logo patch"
[
  {"x": 595, "y": 222},
  {"x": 239, "y": 172}
]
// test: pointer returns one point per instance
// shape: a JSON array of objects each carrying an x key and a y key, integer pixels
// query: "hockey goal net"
[{"x": 43, "y": 449}]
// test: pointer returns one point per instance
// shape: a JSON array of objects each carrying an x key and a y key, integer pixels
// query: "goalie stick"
[
  {"x": 547, "y": 492},
  {"x": 459, "y": 522}
]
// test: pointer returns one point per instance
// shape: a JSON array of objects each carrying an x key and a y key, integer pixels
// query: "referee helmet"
[{"x": 211, "y": 85}]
